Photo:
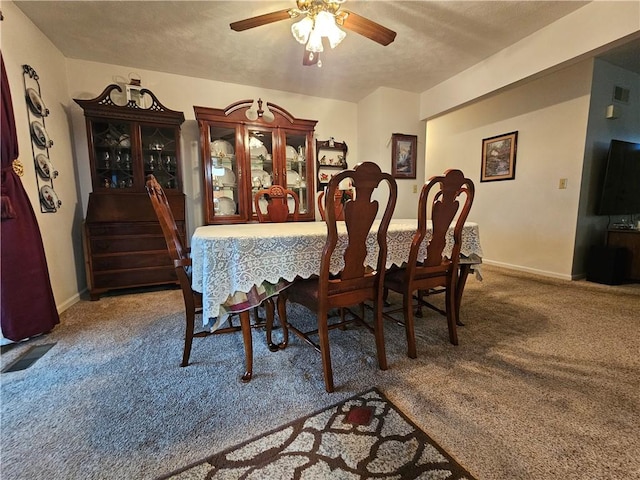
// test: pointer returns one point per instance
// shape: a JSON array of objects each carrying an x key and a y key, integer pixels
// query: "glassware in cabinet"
[
  {"x": 113, "y": 166},
  {"x": 160, "y": 155}
]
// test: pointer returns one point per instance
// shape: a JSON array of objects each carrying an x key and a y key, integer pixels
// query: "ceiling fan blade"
[
  {"x": 365, "y": 27},
  {"x": 260, "y": 20},
  {"x": 310, "y": 58}
]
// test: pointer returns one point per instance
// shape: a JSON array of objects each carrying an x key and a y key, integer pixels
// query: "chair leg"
[
  {"x": 408, "y": 324},
  {"x": 269, "y": 307},
  {"x": 450, "y": 300},
  {"x": 323, "y": 341},
  {"x": 379, "y": 333},
  {"x": 256, "y": 316},
  {"x": 282, "y": 315},
  {"x": 385, "y": 297},
  {"x": 342, "y": 318},
  {"x": 188, "y": 337},
  {"x": 419, "y": 295},
  {"x": 245, "y": 324}
]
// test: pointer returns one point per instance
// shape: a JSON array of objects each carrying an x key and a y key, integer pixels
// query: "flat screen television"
[{"x": 621, "y": 188}]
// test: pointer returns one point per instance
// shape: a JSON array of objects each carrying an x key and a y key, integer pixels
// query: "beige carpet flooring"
[{"x": 545, "y": 384}]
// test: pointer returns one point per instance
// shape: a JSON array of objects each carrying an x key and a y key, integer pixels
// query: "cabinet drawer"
[
  {"x": 107, "y": 229},
  {"x": 127, "y": 244},
  {"x": 134, "y": 277},
  {"x": 110, "y": 229},
  {"x": 127, "y": 261}
]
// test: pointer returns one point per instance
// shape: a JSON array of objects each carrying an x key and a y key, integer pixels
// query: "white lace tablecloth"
[{"x": 234, "y": 258}]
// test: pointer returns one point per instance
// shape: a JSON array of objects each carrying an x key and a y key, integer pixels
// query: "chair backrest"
[
  {"x": 357, "y": 281},
  {"x": 343, "y": 195},
  {"x": 177, "y": 251},
  {"x": 278, "y": 210},
  {"x": 449, "y": 198}
]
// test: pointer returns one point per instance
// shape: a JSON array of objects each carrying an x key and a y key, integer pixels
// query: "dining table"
[{"x": 236, "y": 266}]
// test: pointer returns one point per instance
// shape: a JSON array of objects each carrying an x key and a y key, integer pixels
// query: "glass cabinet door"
[
  {"x": 296, "y": 167},
  {"x": 223, "y": 171},
  {"x": 160, "y": 155},
  {"x": 263, "y": 171},
  {"x": 112, "y": 155}
]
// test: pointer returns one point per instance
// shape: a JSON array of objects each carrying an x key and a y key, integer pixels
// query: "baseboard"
[
  {"x": 69, "y": 302},
  {"x": 535, "y": 271}
]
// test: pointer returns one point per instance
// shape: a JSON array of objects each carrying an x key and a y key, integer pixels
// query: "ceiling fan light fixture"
[
  {"x": 335, "y": 36},
  {"x": 326, "y": 26},
  {"x": 315, "y": 42},
  {"x": 315, "y": 19},
  {"x": 302, "y": 29}
]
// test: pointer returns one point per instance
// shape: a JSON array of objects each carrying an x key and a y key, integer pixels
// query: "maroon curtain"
[{"x": 26, "y": 300}]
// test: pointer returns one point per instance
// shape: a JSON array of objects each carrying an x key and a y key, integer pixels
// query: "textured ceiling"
[{"x": 436, "y": 40}]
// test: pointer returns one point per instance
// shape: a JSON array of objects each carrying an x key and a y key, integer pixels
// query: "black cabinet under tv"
[{"x": 630, "y": 241}]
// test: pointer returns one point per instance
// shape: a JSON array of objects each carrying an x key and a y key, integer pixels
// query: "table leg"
[{"x": 245, "y": 324}]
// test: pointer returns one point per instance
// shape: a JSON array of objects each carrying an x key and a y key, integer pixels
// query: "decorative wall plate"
[
  {"x": 35, "y": 103},
  {"x": 44, "y": 167},
  {"x": 49, "y": 198},
  {"x": 40, "y": 135}
]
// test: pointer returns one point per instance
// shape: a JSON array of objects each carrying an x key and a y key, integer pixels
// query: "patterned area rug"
[{"x": 365, "y": 436}]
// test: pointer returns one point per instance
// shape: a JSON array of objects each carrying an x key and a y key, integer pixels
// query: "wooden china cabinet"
[
  {"x": 244, "y": 149},
  {"x": 128, "y": 139}
]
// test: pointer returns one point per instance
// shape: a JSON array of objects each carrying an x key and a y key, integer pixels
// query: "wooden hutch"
[{"x": 128, "y": 139}]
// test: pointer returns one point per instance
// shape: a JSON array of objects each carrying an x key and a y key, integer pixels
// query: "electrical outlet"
[
  {"x": 563, "y": 184},
  {"x": 415, "y": 188}
]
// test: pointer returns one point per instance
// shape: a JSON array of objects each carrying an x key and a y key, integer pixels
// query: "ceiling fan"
[{"x": 320, "y": 18}]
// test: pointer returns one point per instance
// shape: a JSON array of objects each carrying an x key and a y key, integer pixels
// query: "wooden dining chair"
[
  {"x": 350, "y": 281},
  {"x": 278, "y": 209},
  {"x": 341, "y": 197},
  {"x": 193, "y": 300},
  {"x": 449, "y": 198}
]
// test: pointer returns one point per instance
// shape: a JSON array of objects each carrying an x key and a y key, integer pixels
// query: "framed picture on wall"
[
  {"x": 499, "y": 157},
  {"x": 403, "y": 155}
]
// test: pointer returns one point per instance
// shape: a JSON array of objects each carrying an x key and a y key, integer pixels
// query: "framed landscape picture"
[
  {"x": 403, "y": 155},
  {"x": 499, "y": 157}
]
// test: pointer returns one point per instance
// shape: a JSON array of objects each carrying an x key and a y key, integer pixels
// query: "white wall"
[
  {"x": 23, "y": 43},
  {"x": 87, "y": 80},
  {"x": 384, "y": 112},
  {"x": 526, "y": 223}
]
